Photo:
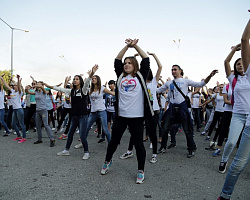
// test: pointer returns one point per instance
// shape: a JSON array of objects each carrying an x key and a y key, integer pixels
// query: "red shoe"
[
  {"x": 96, "y": 130},
  {"x": 22, "y": 140},
  {"x": 17, "y": 138},
  {"x": 63, "y": 137}
]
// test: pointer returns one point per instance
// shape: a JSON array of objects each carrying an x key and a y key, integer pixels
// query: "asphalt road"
[{"x": 29, "y": 171}]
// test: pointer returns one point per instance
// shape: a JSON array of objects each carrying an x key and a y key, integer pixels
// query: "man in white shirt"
[{"x": 178, "y": 109}]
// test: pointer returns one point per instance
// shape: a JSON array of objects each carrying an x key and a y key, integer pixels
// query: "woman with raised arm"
[
  {"x": 18, "y": 114},
  {"x": 41, "y": 112},
  {"x": 79, "y": 112},
  {"x": 2, "y": 110},
  {"x": 151, "y": 121},
  {"x": 132, "y": 105},
  {"x": 240, "y": 85},
  {"x": 242, "y": 157}
]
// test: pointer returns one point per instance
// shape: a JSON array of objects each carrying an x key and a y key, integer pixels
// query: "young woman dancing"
[
  {"x": 79, "y": 112},
  {"x": 18, "y": 114},
  {"x": 132, "y": 105},
  {"x": 41, "y": 113}
]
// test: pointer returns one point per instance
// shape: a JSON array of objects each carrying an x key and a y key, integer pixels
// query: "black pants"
[
  {"x": 151, "y": 124},
  {"x": 65, "y": 111},
  {"x": 31, "y": 111},
  {"x": 9, "y": 117},
  {"x": 225, "y": 124},
  {"x": 197, "y": 119},
  {"x": 217, "y": 118},
  {"x": 136, "y": 130},
  {"x": 51, "y": 116},
  {"x": 180, "y": 115}
]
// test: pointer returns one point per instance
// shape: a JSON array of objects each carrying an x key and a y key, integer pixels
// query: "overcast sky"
[{"x": 93, "y": 32}]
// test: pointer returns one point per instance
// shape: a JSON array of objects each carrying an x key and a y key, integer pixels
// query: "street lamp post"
[{"x": 12, "y": 31}]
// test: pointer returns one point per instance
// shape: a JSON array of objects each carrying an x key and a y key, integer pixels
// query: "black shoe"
[
  {"x": 52, "y": 143},
  {"x": 38, "y": 142},
  {"x": 6, "y": 135},
  {"x": 223, "y": 167},
  {"x": 34, "y": 130},
  {"x": 101, "y": 140},
  {"x": 190, "y": 154},
  {"x": 98, "y": 136},
  {"x": 161, "y": 150},
  {"x": 171, "y": 146}
]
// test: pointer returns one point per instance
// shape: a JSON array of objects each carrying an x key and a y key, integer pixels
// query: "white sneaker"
[
  {"x": 78, "y": 131},
  {"x": 14, "y": 132},
  {"x": 78, "y": 146},
  {"x": 153, "y": 160},
  {"x": 63, "y": 153},
  {"x": 85, "y": 156},
  {"x": 53, "y": 129},
  {"x": 151, "y": 146},
  {"x": 61, "y": 130}
]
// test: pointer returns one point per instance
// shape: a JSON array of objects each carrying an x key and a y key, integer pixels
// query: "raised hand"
[
  {"x": 18, "y": 76},
  {"x": 134, "y": 42},
  {"x": 95, "y": 68},
  {"x": 128, "y": 42},
  {"x": 214, "y": 72},
  {"x": 237, "y": 47},
  {"x": 137, "y": 54},
  {"x": 151, "y": 54}
]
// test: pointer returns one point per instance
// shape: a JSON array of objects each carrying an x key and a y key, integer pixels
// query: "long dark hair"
[
  {"x": 58, "y": 96},
  {"x": 81, "y": 82},
  {"x": 150, "y": 75},
  {"x": 236, "y": 73},
  {"x": 98, "y": 85}
]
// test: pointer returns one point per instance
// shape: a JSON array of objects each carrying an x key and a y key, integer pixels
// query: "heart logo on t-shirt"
[{"x": 128, "y": 85}]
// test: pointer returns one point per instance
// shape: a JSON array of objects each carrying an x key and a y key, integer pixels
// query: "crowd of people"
[{"x": 139, "y": 99}]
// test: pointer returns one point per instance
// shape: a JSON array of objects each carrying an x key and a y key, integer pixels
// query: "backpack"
[{"x": 233, "y": 86}]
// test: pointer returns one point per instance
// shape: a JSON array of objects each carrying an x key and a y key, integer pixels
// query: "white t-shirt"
[
  {"x": 175, "y": 96},
  {"x": 241, "y": 93},
  {"x": 227, "y": 107},
  {"x": 16, "y": 99},
  {"x": 163, "y": 102},
  {"x": 196, "y": 100},
  {"x": 96, "y": 100},
  {"x": 219, "y": 101},
  {"x": 131, "y": 97},
  {"x": 152, "y": 86},
  {"x": 2, "y": 99}
]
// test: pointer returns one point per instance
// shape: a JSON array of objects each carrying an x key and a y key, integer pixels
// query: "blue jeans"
[
  {"x": 236, "y": 126},
  {"x": 2, "y": 112},
  {"x": 239, "y": 163},
  {"x": 81, "y": 122},
  {"x": 18, "y": 116},
  {"x": 102, "y": 115}
]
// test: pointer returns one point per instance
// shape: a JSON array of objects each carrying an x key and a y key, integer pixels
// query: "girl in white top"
[
  {"x": 195, "y": 104},
  {"x": 241, "y": 103},
  {"x": 18, "y": 114},
  {"x": 132, "y": 105},
  {"x": 98, "y": 109},
  {"x": 151, "y": 122},
  {"x": 219, "y": 109},
  {"x": 242, "y": 157},
  {"x": 2, "y": 110}
]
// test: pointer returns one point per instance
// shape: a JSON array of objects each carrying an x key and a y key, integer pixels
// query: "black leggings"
[
  {"x": 217, "y": 118},
  {"x": 31, "y": 111},
  {"x": 136, "y": 130},
  {"x": 151, "y": 124},
  {"x": 51, "y": 116},
  {"x": 225, "y": 123}
]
